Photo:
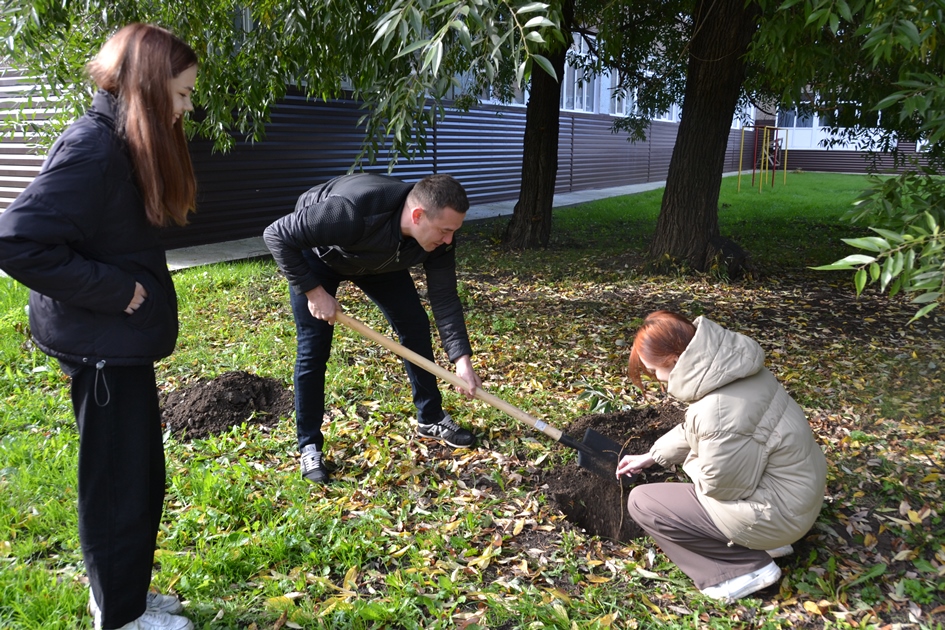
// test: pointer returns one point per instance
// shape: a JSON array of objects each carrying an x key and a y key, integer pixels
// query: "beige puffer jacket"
[{"x": 746, "y": 444}]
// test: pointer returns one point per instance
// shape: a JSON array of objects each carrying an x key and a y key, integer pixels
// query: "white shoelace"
[
  {"x": 448, "y": 423},
  {"x": 311, "y": 459}
]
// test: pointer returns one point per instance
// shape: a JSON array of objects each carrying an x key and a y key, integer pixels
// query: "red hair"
[
  {"x": 662, "y": 337},
  {"x": 135, "y": 65}
]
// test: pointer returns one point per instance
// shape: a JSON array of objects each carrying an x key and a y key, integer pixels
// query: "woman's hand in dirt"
[
  {"x": 632, "y": 464},
  {"x": 465, "y": 371}
]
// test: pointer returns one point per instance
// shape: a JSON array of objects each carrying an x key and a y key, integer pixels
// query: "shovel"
[{"x": 596, "y": 453}]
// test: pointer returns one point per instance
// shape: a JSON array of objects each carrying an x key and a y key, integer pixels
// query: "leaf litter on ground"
[{"x": 472, "y": 538}]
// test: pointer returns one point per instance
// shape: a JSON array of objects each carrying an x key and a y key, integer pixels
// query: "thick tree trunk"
[
  {"x": 688, "y": 225},
  {"x": 530, "y": 226}
]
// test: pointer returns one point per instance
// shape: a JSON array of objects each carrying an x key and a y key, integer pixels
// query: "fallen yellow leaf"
[
  {"x": 557, "y": 592},
  {"x": 812, "y": 608},
  {"x": 350, "y": 581},
  {"x": 654, "y": 607},
  {"x": 905, "y": 554}
]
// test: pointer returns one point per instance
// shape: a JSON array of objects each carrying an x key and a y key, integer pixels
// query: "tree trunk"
[
  {"x": 688, "y": 225},
  {"x": 530, "y": 226}
]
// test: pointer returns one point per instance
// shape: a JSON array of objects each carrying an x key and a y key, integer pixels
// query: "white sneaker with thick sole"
[
  {"x": 155, "y": 603},
  {"x": 780, "y": 552},
  {"x": 159, "y": 621},
  {"x": 732, "y": 590}
]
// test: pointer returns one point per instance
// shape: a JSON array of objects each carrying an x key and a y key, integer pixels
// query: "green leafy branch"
[
  {"x": 912, "y": 261},
  {"x": 485, "y": 30}
]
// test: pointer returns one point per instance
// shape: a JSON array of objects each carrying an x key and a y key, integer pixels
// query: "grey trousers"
[{"x": 673, "y": 516}]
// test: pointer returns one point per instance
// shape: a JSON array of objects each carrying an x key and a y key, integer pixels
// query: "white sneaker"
[
  {"x": 780, "y": 552},
  {"x": 159, "y": 621},
  {"x": 156, "y": 603},
  {"x": 731, "y": 590}
]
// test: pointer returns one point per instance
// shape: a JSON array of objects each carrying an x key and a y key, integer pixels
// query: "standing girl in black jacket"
[{"x": 82, "y": 237}]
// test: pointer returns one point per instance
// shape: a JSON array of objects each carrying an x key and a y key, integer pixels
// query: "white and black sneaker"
[
  {"x": 448, "y": 432},
  {"x": 312, "y": 464}
]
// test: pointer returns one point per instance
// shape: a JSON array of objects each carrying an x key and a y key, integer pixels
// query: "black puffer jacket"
[
  {"x": 353, "y": 224},
  {"x": 79, "y": 239}
]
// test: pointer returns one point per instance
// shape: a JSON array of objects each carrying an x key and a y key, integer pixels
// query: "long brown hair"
[
  {"x": 661, "y": 339},
  {"x": 135, "y": 65}
]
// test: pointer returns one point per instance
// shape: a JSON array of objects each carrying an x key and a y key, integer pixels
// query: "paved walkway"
[{"x": 254, "y": 247}]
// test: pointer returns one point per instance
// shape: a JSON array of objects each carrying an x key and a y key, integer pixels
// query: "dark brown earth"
[
  {"x": 211, "y": 407},
  {"x": 598, "y": 504}
]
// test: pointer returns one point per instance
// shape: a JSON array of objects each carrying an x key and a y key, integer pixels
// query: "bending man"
[{"x": 369, "y": 230}]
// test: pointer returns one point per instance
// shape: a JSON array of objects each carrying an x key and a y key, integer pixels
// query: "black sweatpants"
[{"x": 121, "y": 483}]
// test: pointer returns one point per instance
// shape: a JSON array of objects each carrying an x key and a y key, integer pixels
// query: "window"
[
  {"x": 673, "y": 114},
  {"x": 795, "y": 118},
  {"x": 744, "y": 116},
  {"x": 848, "y": 115},
  {"x": 620, "y": 105},
  {"x": 517, "y": 98},
  {"x": 579, "y": 89}
]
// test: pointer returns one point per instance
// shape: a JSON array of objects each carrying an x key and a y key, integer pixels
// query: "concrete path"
[{"x": 254, "y": 247}]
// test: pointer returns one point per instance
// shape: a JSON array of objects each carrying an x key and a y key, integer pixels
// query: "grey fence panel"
[
  {"x": 19, "y": 162},
  {"x": 845, "y": 161},
  {"x": 601, "y": 157},
  {"x": 483, "y": 150},
  {"x": 661, "y": 140},
  {"x": 564, "y": 180}
]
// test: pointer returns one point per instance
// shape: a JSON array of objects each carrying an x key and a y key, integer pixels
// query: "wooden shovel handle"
[{"x": 447, "y": 376}]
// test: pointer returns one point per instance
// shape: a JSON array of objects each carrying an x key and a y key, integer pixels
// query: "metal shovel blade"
[{"x": 600, "y": 455}]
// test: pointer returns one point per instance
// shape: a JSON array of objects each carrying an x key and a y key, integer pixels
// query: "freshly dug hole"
[{"x": 596, "y": 504}]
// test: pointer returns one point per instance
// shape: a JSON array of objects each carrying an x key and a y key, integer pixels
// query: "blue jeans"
[{"x": 396, "y": 296}]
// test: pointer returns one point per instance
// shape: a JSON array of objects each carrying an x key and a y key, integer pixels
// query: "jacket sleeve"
[
  {"x": 42, "y": 232},
  {"x": 671, "y": 448},
  {"x": 440, "y": 270},
  {"x": 727, "y": 465},
  {"x": 319, "y": 224}
]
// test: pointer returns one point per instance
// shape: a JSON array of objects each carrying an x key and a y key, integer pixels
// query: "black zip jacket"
[
  {"x": 352, "y": 223},
  {"x": 78, "y": 237}
]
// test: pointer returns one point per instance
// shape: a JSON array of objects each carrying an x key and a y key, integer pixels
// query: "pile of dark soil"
[
  {"x": 599, "y": 505},
  {"x": 211, "y": 407}
]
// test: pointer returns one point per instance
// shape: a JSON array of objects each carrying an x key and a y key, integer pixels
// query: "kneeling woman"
[{"x": 758, "y": 475}]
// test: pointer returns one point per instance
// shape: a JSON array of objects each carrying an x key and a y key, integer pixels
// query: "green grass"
[{"x": 412, "y": 536}]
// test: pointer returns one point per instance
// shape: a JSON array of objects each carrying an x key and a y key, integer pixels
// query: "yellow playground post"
[{"x": 773, "y": 153}]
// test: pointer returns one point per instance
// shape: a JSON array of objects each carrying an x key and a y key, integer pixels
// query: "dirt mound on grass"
[
  {"x": 599, "y": 505},
  {"x": 210, "y": 407}
]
